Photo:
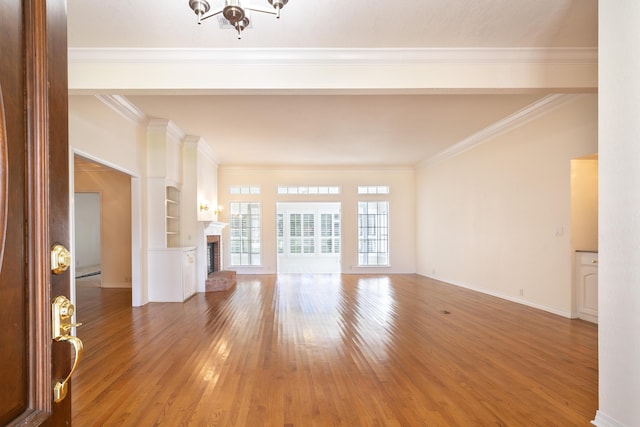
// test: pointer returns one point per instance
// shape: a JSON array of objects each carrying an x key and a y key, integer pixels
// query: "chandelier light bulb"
[
  {"x": 241, "y": 25},
  {"x": 199, "y": 7},
  {"x": 277, "y": 5}
]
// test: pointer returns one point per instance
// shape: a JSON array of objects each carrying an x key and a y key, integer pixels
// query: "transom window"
[
  {"x": 301, "y": 189},
  {"x": 373, "y": 189},
  {"x": 244, "y": 189}
]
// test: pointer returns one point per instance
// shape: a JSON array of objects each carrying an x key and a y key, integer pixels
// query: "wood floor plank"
[{"x": 331, "y": 350}]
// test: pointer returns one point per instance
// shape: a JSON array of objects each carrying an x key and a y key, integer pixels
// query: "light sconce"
[
  {"x": 218, "y": 210},
  {"x": 204, "y": 206},
  {"x": 234, "y": 12}
]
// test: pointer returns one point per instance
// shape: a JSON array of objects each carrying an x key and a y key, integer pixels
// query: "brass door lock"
[
  {"x": 60, "y": 259},
  {"x": 61, "y": 313}
]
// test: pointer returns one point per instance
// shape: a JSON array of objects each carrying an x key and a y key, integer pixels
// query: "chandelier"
[{"x": 234, "y": 12}]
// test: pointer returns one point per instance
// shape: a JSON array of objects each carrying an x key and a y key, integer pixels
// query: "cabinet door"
[
  {"x": 189, "y": 274},
  {"x": 587, "y": 286}
]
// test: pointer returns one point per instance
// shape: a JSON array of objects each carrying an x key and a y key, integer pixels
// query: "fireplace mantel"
[{"x": 214, "y": 228}]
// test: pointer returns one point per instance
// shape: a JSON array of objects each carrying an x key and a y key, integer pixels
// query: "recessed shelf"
[{"x": 172, "y": 216}]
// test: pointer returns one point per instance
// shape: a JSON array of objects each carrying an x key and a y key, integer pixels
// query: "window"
[
  {"x": 295, "y": 233},
  {"x": 308, "y": 233},
  {"x": 373, "y": 233},
  {"x": 373, "y": 189},
  {"x": 302, "y": 233},
  {"x": 244, "y": 189},
  {"x": 280, "y": 232},
  {"x": 329, "y": 233},
  {"x": 245, "y": 233},
  {"x": 306, "y": 190}
]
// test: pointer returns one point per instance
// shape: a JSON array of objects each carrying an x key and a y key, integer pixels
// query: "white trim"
[
  {"x": 205, "y": 149},
  {"x": 382, "y": 56},
  {"x": 168, "y": 126},
  {"x": 103, "y": 162},
  {"x": 116, "y": 285},
  {"x": 124, "y": 107},
  {"x": 531, "y": 112},
  {"x": 500, "y": 295},
  {"x": 316, "y": 169},
  {"x": 604, "y": 420}
]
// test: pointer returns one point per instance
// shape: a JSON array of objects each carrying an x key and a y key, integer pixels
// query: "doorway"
[
  {"x": 308, "y": 237},
  {"x": 584, "y": 236},
  {"x": 102, "y": 224}
]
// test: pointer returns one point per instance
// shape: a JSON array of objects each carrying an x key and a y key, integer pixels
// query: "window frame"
[
  {"x": 373, "y": 233},
  {"x": 243, "y": 239}
]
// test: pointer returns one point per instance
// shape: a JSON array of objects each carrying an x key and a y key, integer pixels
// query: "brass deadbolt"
[{"x": 60, "y": 259}]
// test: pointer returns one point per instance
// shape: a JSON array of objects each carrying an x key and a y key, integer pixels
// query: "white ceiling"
[{"x": 338, "y": 128}]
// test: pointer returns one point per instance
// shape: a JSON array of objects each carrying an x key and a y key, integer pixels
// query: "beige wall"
[
  {"x": 497, "y": 218},
  {"x": 402, "y": 208},
  {"x": 115, "y": 222},
  {"x": 584, "y": 204}
]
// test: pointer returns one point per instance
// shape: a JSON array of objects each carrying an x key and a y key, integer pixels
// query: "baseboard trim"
[
  {"x": 604, "y": 420},
  {"x": 528, "y": 303},
  {"x": 116, "y": 285},
  {"x": 89, "y": 274}
]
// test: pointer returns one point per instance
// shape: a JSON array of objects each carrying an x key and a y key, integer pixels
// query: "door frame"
[
  {"x": 316, "y": 208},
  {"x": 46, "y": 196},
  {"x": 139, "y": 296}
]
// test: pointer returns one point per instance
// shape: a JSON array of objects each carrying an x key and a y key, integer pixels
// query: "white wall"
[
  {"x": 619, "y": 214},
  {"x": 497, "y": 218},
  {"x": 87, "y": 229},
  {"x": 152, "y": 153},
  {"x": 402, "y": 208},
  {"x": 98, "y": 133},
  {"x": 200, "y": 180}
]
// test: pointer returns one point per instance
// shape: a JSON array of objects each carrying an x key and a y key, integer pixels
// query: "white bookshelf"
[{"x": 172, "y": 217}]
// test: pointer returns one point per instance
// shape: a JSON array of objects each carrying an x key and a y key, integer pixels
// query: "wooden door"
[{"x": 33, "y": 208}]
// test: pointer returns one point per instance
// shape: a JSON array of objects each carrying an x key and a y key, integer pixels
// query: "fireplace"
[
  {"x": 213, "y": 254},
  {"x": 217, "y": 278}
]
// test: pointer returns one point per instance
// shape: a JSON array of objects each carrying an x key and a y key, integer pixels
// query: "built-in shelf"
[{"x": 172, "y": 217}]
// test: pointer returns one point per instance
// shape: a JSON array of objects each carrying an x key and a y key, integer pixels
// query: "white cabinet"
[
  {"x": 587, "y": 285},
  {"x": 188, "y": 273},
  {"x": 172, "y": 274}
]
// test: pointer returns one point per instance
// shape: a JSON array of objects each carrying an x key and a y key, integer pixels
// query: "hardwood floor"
[{"x": 325, "y": 350}]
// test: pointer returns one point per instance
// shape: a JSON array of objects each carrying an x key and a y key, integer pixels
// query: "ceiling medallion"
[{"x": 234, "y": 12}]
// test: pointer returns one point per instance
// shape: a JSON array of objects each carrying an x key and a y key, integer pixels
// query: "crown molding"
[
  {"x": 124, "y": 108},
  {"x": 202, "y": 147},
  {"x": 386, "y": 56},
  {"x": 531, "y": 112},
  {"x": 171, "y": 129},
  {"x": 316, "y": 169}
]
